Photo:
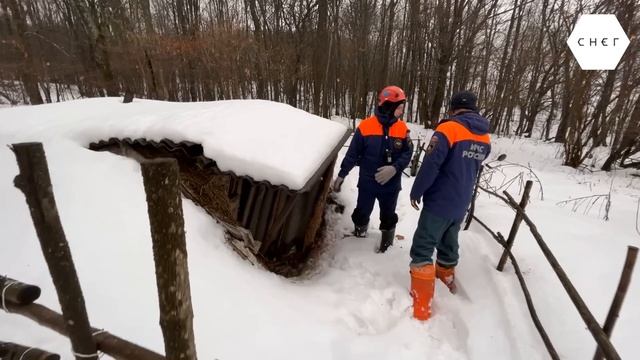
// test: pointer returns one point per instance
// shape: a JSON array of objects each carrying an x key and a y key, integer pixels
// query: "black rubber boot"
[
  {"x": 360, "y": 231},
  {"x": 387, "y": 239}
]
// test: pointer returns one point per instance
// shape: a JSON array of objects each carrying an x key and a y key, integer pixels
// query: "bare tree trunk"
[
  {"x": 629, "y": 140},
  {"x": 18, "y": 23},
  {"x": 599, "y": 128},
  {"x": 575, "y": 144},
  {"x": 550, "y": 117},
  {"x": 260, "y": 81},
  {"x": 146, "y": 15},
  {"x": 450, "y": 16},
  {"x": 321, "y": 57},
  {"x": 497, "y": 104},
  {"x": 561, "y": 133}
]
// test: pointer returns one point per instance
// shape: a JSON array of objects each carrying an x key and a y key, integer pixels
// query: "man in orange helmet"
[{"x": 382, "y": 149}]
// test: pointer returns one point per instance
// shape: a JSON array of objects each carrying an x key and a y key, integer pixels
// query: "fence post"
[
  {"x": 34, "y": 181},
  {"x": 416, "y": 159},
  {"x": 621, "y": 292},
  {"x": 162, "y": 185},
  {"x": 515, "y": 226},
  {"x": 472, "y": 208}
]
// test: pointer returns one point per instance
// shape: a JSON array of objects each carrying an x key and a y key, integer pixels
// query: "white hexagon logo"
[{"x": 598, "y": 42}]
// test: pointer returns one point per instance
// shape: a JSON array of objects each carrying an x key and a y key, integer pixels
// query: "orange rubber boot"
[
  {"x": 448, "y": 276},
  {"x": 423, "y": 281}
]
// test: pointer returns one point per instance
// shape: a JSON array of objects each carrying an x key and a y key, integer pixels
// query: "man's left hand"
[
  {"x": 414, "y": 203},
  {"x": 337, "y": 184},
  {"x": 384, "y": 174}
]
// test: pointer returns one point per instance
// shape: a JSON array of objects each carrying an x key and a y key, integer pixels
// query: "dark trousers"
[
  {"x": 387, "y": 202},
  {"x": 434, "y": 232}
]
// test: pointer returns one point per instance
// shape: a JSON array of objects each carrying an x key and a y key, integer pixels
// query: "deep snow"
[
  {"x": 262, "y": 139},
  {"x": 355, "y": 303}
]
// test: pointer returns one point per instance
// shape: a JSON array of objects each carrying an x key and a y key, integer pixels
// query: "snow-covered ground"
[{"x": 355, "y": 303}]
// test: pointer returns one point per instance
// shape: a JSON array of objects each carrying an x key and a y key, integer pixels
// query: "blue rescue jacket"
[
  {"x": 448, "y": 173},
  {"x": 375, "y": 145}
]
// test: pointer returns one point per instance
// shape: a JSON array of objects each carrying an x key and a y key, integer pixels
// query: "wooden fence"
[
  {"x": 600, "y": 334},
  {"x": 161, "y": 181}
]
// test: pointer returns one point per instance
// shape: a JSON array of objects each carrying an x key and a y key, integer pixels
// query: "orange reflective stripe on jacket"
[
  {"x": 398, "y": 130},
  {"x": 456, "y": 132},
  {"x": 371, "y": 126}
]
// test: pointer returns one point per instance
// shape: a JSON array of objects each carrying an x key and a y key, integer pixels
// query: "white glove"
[
  {"x": 337, "y": 184},
  {"x": 384, "y": 174}
]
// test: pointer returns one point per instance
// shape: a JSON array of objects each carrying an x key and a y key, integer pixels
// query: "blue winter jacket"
[
  {"x": 448, "y": 173},
  {"x": 377, "y": 143}
]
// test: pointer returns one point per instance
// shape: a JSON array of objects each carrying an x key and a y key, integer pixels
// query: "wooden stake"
[
  {"x": 162, "y": 185},
  {"x": 472, "y": 208},
  {"x": 34, "y": 181},
  {"x": 515, "y": 226},
  {"x": 621, "y": 292}
]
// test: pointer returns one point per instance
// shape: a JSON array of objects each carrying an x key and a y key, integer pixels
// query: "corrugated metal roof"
[{"x": 278, "y": 225}]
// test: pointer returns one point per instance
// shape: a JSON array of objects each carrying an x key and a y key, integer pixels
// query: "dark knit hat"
[
  {"x": 388, "y": 107},
  {"x": 464, "y": 100}
]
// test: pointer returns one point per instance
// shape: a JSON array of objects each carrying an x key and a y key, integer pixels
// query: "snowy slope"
[
  {"x": 262, "y": 139},
  {"x": 591, "y": 250},
  {"x": 355, "y": 304}
]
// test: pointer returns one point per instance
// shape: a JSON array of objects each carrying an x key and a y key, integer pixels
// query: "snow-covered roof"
[{"x": 262, "y": 139}]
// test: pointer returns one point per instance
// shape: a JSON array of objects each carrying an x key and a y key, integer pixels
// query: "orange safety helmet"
[{"x": 392, "y": 94}]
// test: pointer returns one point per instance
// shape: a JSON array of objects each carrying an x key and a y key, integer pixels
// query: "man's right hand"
[
  {"x": 414, "y": 203},
  {"x": 337, "y": 184}
]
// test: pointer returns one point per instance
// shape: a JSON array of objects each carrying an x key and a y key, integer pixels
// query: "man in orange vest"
[
  {"x": 445, "y": 183},
  {"x": 382, "y": 149}
]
